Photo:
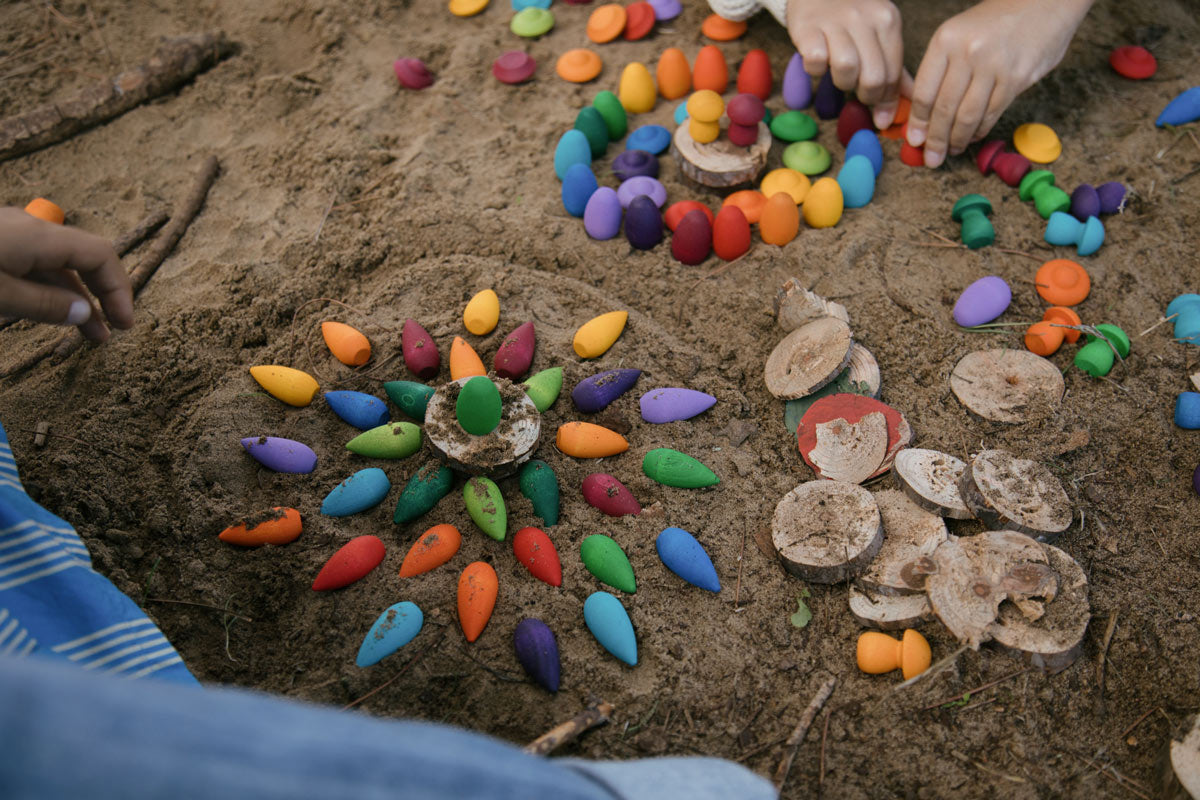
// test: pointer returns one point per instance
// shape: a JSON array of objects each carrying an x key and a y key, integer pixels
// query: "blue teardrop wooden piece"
[
  {"x": 395, "y": 628},
  {"x": 608, "y": 621},
  {"x": 363, "y": 411},
  {"x": 362, "y": 490},
  {"x": 687, "y": 558}
]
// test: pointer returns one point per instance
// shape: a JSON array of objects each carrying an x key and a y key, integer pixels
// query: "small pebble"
[
  {"x": 710, "y": 70},
  {"x": 1112, "y": 197},
  {"x": 615, "y": 118},
  {"x": 731, "y": 233},
  {"x": 780, "y": 221},
  {"x": 636, "y": 90},
  {"x": 982, "y": 301},
  {"x": 572, "y": 148},
  {"x": 482, "y": 312},
  {"x": 1085, "y": 202},
  {"x": 592, "y": 125},
  {"x": 673, "y": 74}
]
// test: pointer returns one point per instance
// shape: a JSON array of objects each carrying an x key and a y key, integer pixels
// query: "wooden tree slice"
[
  {"x": 1009, "y": 492},
  {"x": 826, "y": 531},
  {"x": 848, "y": 410},
  {"x": 497, "y": 454},
  {"x": 720, "y": 163},
  {"x": 861, "y": 376},
  {"x": 1054, "y": 640},
  {"x": 849, "y": 451},
  {"x": 808, "y": 358},
  {"x": 930, "y": 479},
  {"x": 796, "y": 306},
  {"x": 1008, "y": 385},
  {"x": 1183, "y": 778},
  {"x": 973, "y": 575},
  {"x": 910, "y": 535},
  {"x": 888, "y": 612}
]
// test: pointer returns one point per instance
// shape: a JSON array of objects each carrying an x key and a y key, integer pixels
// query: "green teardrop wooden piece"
[
  {"x": 393, "y": 440},
  {"x": 410, "y": 396},
  {"x": 605, "y": 559},
  {"x": 478, "y": 407},
  {"x": 422, "y": 492},
  {"x": 539, "y": 484},
  {"x": 543, "y": 388},
  {"x": 486, "y": 506},
  {"x": 673, "y": 468}
]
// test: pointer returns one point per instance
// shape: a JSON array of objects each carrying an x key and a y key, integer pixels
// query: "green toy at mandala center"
[{"x": 479, "y": 406}]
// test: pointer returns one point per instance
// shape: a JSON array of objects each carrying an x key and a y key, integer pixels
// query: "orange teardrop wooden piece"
[
  {"x": 477, "y": 591},
  {"x": 435, "y": 547},
  {"x": 464, "y": 361},
  {"x": 281, "y": 527},
  {"x": 585, "y": 440},
  {"x": 347, "y": 344}
]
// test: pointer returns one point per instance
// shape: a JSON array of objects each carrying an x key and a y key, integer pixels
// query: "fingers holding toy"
[{"x": 857, "y": 41}]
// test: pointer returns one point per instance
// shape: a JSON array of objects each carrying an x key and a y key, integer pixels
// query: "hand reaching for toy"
[
  {"x": 43, "y": 270},
  {"x": 978, "y": 62},
  {"x": 859, "y": 42}
]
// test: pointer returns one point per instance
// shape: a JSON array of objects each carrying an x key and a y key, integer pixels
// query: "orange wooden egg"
[
  {"x": 477, "y": 591},
  {"x": 673, "y": 74},
  {"x": 585, "y": 440},
  {"x": 1064, "y": 316},
  {"x": 879, "y": 653},
  {"x": 780, "y": 219},
  {"x": 750, "y": 201},
  {"x": 347, "y": 344},
  {"x": 464, "y": 361},
  {"x": 281, "y": 526},
  {"x": 45, "y": 210},
  {"x": 1043, "y": 338},
  {"x": 754, "y": 76},
  {"x": 720, "y": 29},
  {"x": 710, "y": 70},
  {"x": 731, "y": 233},
  {"x": 435, "y": 547}
]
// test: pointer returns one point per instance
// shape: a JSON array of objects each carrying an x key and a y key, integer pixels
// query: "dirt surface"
[{"x": 335, "y": 183}]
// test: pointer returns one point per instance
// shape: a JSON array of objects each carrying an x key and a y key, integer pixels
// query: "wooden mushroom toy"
[
  {"x": 973, "y": 210},
  {"x": 878, "y": 653}
]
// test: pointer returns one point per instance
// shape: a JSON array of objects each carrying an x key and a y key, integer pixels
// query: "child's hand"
[
  {"x": 40, "y": 269},
  {"x": 858, "y": 41},
  {"x": 978, "y": 62}
]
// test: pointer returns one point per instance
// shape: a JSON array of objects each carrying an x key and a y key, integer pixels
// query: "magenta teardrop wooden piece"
[
  {"x": 608, "y": 494},
  {"x": 516, "y": 353},
  {"x": 420, "y": 353}
]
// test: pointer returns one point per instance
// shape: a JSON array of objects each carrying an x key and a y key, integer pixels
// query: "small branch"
[
  {"x": 1100, "y": 662},
  {"x": 48, "y": 432},
  {"x": 737, "y": 592},
  {"x": 824, "y": 737},
  {"x": 592, "y": 716},
  {"x": 977, "y": 689},
  {"x": 140, "y": 233},
  {"x": 198, "y": 605},
  {"x": 1138, "y": 721},
  {"x": 793, "y": 742}
]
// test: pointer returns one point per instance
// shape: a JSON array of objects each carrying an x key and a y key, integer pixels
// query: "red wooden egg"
[
  {"x": 420, "y": 353},
  {"x": 1133, "y": 62},
  {"x": 639, "y": 20},
  {"x": 354, "y": 560},
  {"x": 516, "y": 353},
  {"x": 677, "y": 211},
  {"x": 534, "y": 549},
  {"x": 1011, "y": 167},
  {"x": 854, "y": 118},
  {"x": 608, "y": 494},
  {"x": 987, "y": 154},
  {"x": 692, "y": 240},
  {"x": 913, "y": 156},
  {"x": 731, "y": 233},
  {"x": 754, "y": 76}
]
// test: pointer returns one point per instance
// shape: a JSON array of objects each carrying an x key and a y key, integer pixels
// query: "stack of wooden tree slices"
[{"x": 1011, "y": 386}]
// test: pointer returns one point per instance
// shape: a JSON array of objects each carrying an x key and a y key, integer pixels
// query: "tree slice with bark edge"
[
  {"x": 1004, "y": 491},
  {"x": 808, "y": 358},
  {"x": 826, "y": 531},
  {"x": 930, "y": 479},
  {"x": 1182, "y": 772},
  {"x": 889, "y": 613},
  {"x": 796, "y": 306},
  {"x": 720, "y": 164},
  {"x": 497, "y": 454},
  {"x": 1011, "y": 386},
  {"x": 848, "y": 451},
  {"x": 910, "y": 535},
  {"x": 861, "y": 376},
  {"x": 851, "y": 409},
  {"x": 973, "y": 575},
  {"x": 1052, "y": 642}
]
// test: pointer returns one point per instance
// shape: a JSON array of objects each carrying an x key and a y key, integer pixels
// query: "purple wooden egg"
[
  {"x": 1112, "y": 196},
  {"x": 537, "y": 650},
  {"x": 797, "y": 85},
  {"x": 674, "y": 403},
  {"x": 643, "y": 223},
  {"x": 829, "y": 99},
  {"x": 632, "y": 163},
  {"x": 982, "y": 301},
  {"x": 281, "y": 455},
  {"x": 412, "y": 73},
  {"x": 608, "y": 494},
  {"x": 642, "y": 185},
  {"x": 516, "y": 352},
  {"x": 1085, "y": 202},
  {"x": 597, "y": 392},
  {"x": 602, "y": 215}
]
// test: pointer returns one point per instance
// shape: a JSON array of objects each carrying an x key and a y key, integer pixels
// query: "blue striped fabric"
[{"x": 54, "y": 605}]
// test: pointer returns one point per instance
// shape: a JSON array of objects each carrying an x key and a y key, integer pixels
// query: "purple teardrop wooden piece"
[
  {"x": 797, "y": 85},
  {"x": 595, "y": 393},
  {"x": 420, "y": 353},
  {"x": 673, "y": 403},
  {"x": 281, "y": 455},
  {"x": 1112, "y": 196},
  {"x": 516, "y": 352},
  {"x": 829, "y": 99},
  {"x": 1085, "y": 202},
  {"x": 643, "y": 223},
  {"x": 608, "y": 494},
  {"x": 537, "y": 650}
]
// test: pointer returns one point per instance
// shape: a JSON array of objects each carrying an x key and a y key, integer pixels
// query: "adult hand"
[{"x": 43, "y": 271}]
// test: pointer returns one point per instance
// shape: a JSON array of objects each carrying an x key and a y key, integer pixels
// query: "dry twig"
[
  {"x": 441, "y": 635},
  {"x": 793, "y": 742},
  {"x": 593, "y": 715}
]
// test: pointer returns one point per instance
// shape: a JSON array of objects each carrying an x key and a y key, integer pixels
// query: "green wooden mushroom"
[{"x": 973, "y": 210}]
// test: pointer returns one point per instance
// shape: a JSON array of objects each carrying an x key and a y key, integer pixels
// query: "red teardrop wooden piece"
[
  {"x": 533, "y": 548},
  {"x": 353, "y": 561}
]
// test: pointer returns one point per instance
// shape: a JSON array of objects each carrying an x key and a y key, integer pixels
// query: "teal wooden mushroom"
[{"x": 973, "y": 210}]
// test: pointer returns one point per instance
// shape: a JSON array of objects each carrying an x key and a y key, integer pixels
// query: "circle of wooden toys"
[
  {"x": 827, "y": 531},
  {"x": 877, "y": 653},
  {"x": 973, "y": 210},
  {"x": 513, "y": 67},
  {"x": 1062, "y": 282},
  {"x": 1097, "y": 357},
  {"x": 45, "y": 210},
  {"x": 1006, "y": 492},
  {"x": 1133, "y": 62},
  {"x": 930, "y": 478},
  {"x": 412, "y": 73},
  {"x": 809, "y": 357},
  {"x": 850, "y": 437},
  {"x": 1064, "y": 230},
  {"x": 578, "y": 66},
  {"x": 1038, "y": 186},
  {"x": 1012, "y": 386},
  {"x": 1183, "y": 109},
  {"x": 1037, "y": 142},
  {"x": 502, "y": 448},
  {"x": 910, "y": 535}
]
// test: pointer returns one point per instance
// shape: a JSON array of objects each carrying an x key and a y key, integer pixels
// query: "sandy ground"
[{"x": 434, "y": 195}]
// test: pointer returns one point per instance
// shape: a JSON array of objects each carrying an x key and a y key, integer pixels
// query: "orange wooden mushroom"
[
  {"x": 44, "y": 209},
  {"x": 879, "y": 653}
]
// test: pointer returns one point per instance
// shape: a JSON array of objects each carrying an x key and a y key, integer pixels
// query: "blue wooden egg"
[
  {"x": 577, "y": 188},
  {"x": 572, "y": 148},
  {"x": 687, "y": 558},
  {"x": 602, "y": 216},
  {"x": 606, "y": 618},
  {"x": 651, "y": 138},
  {"x": 363, "y": 411},
  {"x": 362, "y": 490},
  {"x": 866, "y": 143},
  {"x": 1187, "y": 410},
  {"x": 395, "y": 628},
  {"x": 857, "y": 179}
]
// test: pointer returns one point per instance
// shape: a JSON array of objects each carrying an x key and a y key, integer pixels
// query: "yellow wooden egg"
[
  {"x": 1037, "y": 142},
  {"x": 482, "y": 313},
  {"x": 595, "y": 336},
  {"x": 787, "y": 180},
  {"x": 348, "y": 344},
  {"x": 637, "y": 91},
  {"x": 704, "y": 132},
  {"x": 823, "y": 204},
  {"x": 467, "y": 8},
  {"x": 705, "y": 106},
  {"x": 292, "y": 386}
]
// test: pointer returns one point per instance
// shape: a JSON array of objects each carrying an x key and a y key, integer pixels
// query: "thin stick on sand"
[
  {"x": 593, "y": 715},
  {"x": 793, "y": 742}
]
